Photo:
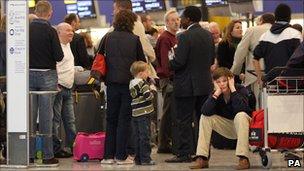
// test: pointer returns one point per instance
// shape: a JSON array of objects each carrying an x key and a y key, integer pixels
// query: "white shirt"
[
  {"x": 65, "y": 68},
  {"x": 191, "y": 26}
]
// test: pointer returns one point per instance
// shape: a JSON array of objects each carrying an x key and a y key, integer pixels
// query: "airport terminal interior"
[{"x": 151, "y": 85}]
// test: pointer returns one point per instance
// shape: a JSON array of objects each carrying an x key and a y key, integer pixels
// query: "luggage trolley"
[{"x": 283, "y": 104}]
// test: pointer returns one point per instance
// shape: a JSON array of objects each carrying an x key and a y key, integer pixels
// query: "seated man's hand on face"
[
  {"x": 231, "y": 84},
  {"x": 218, "y": 90}
]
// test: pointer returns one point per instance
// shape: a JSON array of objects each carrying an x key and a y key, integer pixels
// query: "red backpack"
[{"x": 275, "y": 140}]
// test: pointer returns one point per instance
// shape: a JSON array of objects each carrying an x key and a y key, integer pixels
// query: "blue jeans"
[
  {"x": 42, "y": 81},
  {"x": 118, "y": 119},
  {"x": 64, "y": 109},
  {"x": 141, "y": 131}
]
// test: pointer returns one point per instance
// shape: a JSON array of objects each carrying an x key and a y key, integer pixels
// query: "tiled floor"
[{"x": 220, "y": 160}]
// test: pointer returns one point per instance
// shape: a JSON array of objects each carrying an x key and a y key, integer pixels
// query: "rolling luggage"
[
  {"x": 89, "y": 146},
  {"x": 89, "y": 108}
]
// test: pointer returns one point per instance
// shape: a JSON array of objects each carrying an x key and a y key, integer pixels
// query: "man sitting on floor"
[{"x": 226, "y": 111}]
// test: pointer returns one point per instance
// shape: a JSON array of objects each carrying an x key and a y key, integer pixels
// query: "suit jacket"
[
  {"x": 244, "y": 52},
  {"x": 79, "y": 50},
  {"x": 191, "y": 64}
]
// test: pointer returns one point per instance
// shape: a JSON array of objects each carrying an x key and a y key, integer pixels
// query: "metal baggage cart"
[{"x": 283, "y": 104}]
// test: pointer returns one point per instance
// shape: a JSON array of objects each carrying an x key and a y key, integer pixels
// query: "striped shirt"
[{"x": 141, "y": 97}]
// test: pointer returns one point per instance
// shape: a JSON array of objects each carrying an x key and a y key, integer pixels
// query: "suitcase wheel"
[{"x": 84, "y": 157}]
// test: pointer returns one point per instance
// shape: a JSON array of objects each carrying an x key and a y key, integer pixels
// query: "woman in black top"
[
  {"x": 227, "y": 47},
  {"x": 121, "y": 49}
]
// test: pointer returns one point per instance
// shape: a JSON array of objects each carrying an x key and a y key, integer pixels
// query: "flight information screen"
[
  {"x": 83, "y": 8},
  {"x": 140, "y": 6},
  {"x": 215, "y": 2}
]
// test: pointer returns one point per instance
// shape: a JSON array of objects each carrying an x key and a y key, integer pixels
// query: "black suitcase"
[{"x": 90, "y": 112}]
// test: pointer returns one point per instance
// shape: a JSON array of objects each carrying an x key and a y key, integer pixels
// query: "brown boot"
[
  {"x": 200, "y": 163},
  {"x": 243, "y": 164}
]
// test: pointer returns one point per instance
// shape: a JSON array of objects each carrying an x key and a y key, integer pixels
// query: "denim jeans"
[
  {"x": 118, "y": 119},
  {"x": 141, "y": 130},
  {"x": 64, "y": 110},
  {"x": 42, "y": 104}
]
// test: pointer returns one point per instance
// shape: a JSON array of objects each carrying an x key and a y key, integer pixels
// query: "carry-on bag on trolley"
[
  {"x": 275, "y": 140},
  {"x": 89, "y": 146}
]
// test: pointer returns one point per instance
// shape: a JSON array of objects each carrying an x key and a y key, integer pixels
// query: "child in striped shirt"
[{"x": 142, "y": 107}]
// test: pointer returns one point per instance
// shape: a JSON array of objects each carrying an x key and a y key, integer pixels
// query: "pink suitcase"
[{"x": 89, "y": 146}]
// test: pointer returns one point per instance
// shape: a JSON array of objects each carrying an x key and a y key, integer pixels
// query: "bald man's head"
[
  {"x": 215, "y": 31},
  {"x": 65, "y": 33}
]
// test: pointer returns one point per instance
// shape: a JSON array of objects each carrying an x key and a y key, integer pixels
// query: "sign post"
[{"x": 17, "y": 83}]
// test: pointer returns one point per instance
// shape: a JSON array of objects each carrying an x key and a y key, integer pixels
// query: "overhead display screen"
[
  {"x": 83, "y": 8},
  {"x": 140, "y": 6},
  {"x": 215, "y": 2}
]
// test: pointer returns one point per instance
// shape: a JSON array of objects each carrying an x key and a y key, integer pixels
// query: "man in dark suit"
[
  {"x": 192, "y": 79},
  {"x": 78, "y": 47}
]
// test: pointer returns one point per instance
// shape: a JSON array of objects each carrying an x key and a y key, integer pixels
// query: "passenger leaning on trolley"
[{"x": 226, "y": 111}]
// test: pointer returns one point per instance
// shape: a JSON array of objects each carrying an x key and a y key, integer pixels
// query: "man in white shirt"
[{"x": 63, "y": 106}]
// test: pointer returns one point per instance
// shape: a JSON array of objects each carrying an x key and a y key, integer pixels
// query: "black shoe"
[
  {"x": 50, "y": 162},
  {"x": 150, "y": 163},
  {"x": 179, "y": 159},
  {"x": 63, "y": 154},
  {"x": 164, "y": 150},
  {"x": 32, "y": 160},
  {"x": 137, "y": 162}
]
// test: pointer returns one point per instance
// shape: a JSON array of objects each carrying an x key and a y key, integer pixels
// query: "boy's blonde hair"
[{"x": 137, "y": 67}]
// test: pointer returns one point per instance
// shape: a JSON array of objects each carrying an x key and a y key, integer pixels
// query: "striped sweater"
[{"x": 141, "y": 97}]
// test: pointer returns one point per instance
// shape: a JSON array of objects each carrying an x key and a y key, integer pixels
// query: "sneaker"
[
  {"x": 107, "y": 161},
  {"x": 148, "y": 163},
  {"x": 53, "y": 162},
  {"x": 125, "y": 162}
]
